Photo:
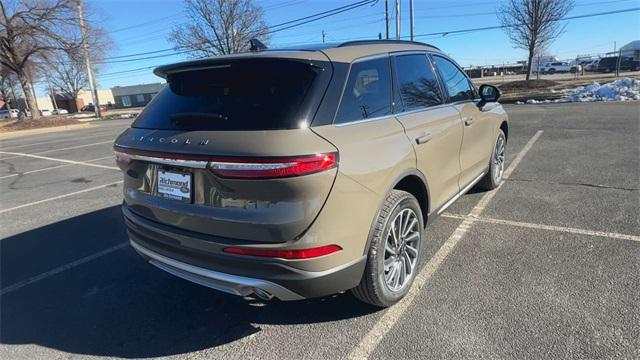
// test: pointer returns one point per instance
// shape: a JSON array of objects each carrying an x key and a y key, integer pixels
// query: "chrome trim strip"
[
  {"x": 365, "y": 120},
  {"x": 409, "y": 112},
  {"x": 195, "y": 164},
  {"x": 462, "y": 192},
  {"x": 232, "y": 284}
]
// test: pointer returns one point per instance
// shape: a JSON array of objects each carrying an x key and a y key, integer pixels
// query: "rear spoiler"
[{"x": 255, "y": 45}]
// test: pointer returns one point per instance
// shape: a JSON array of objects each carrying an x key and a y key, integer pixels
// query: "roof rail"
[{"x": 374, "y": 42}]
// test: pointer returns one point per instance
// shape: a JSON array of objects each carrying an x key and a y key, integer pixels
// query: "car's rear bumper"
[{"x": 172, "y": 250}]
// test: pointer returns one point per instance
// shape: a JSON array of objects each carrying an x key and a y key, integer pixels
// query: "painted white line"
[
  {"x": 564, "y": 229},
  {"x": 60, "y": 197},
  {"x": 55, "y": 150},
  {"x": 62, "y": 268},
  {"x": 62, "y": 160},
  {"x": 371, "y": 340},
  {"x": 52, "y": 168},
  {"x": 13, "y": 147}
]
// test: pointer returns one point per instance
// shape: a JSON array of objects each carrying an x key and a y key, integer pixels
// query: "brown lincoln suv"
[{"x": 305, "y": 172}]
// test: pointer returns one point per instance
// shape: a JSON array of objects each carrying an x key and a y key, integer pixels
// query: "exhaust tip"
[{"x": 262, "y": 294}]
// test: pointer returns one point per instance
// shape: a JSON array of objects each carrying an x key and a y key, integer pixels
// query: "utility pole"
[
  {"x": 411, "y": 18},
  {"x": 397, "y": 19},
  {"x": 323, "y": 36},
  {"x": 85, "y": 46},
  {"x": 386, "y": 16},
  {"x": 52, "y": 94}
]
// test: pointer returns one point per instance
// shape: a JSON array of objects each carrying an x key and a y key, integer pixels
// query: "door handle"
[
  {"x": 468, "y": 121},
  {"x": 424, "y": 138}
]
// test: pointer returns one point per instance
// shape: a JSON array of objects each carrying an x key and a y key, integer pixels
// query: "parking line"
[
  {"x": 52, "y": 168},
  {"x": 565, "y": 229},
  {"x": 62, "y": 268},
  {"x": 371, "y": 340},
  {"x": 61, "y": 160},
  {"x": 60, "y": 196},
  {"x": 55, "y": 150},
  {"x": 13, "y": 147}
]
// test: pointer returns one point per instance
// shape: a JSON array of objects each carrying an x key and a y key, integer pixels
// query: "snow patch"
[{"x": 626, "y": 89}]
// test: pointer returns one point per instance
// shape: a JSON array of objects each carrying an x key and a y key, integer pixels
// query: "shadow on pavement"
[{"x": 118, "y": 305}]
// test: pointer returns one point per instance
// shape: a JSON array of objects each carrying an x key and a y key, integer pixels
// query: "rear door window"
[
  {"x": 455, "y": 81},
  {"x": 368, "y": 91},
  {"x": 417, "y": 84},
  {"x": 255, "y": 94}
]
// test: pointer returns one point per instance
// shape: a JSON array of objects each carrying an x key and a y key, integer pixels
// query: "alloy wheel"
[
  {"x": 401, "y": 250},
  {"x": 498, "y": 159}
]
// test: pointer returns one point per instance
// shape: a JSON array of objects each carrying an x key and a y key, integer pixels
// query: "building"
[
  {"x": 105, "y": 96},
  {"x": 632, "y": 49},
  {"x": 136, "y": 95}
]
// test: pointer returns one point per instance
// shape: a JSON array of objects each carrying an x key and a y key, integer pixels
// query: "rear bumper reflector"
[{"x": 286, "y": 254}]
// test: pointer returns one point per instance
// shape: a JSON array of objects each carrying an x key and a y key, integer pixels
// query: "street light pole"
[
  {"x": 411, "y": 18},
  {"x": 386, "y": 17},
  {"x": 87, "y": 59},
  {"x": 397, "y": 19}
]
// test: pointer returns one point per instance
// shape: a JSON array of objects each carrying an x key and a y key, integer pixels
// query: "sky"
[{"x": 138, "y": 26}]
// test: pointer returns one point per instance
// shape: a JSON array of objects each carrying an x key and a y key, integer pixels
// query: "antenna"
[{"x": 257, "y": 45}]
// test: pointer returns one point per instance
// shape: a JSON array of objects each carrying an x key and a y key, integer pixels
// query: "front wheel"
[
  {"x": 394, "y": 251},
  {"x": 493, "y": 177}
]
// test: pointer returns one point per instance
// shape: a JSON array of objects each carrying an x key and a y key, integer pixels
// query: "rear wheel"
[
  {"x": 394, "y": 251},
  {"x": 493, "y": 177}
]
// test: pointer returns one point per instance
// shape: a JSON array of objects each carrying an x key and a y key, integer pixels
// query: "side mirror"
[{"x": 489, "y": 93}]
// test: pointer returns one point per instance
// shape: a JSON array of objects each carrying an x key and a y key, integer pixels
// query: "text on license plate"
[{"x": 174, "y": 185}]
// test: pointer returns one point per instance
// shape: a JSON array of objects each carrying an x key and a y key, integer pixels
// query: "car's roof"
[{"x": 336, "y": 52}]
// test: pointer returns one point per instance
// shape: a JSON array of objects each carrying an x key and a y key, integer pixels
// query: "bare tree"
[
  {"x": 6, "y": 86},
  {"x": 532, "y": 24},
  {"x": 31, "y": 28},
  {"x": 67, "y": 71},
  {"x": 218, "y": 27}
]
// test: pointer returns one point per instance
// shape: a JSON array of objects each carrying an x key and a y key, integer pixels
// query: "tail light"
[
  {"x": 286, "y": 254},
  {"x": 240, "y": 167},
  {"x": 266, "y": 168}
]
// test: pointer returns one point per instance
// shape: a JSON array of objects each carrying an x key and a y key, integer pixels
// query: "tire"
[
  {"x": 493, "y": 178},
  {"x": 377, "y": 286},
  {"x": 551, "y": 71}
]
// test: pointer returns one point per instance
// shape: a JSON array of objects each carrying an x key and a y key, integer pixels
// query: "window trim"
[
  {"x": 471, "y": 85},
  {"x": 346, "y": 81}
]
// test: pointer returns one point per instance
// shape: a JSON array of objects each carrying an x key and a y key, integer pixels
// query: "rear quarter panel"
[{"x": 373, "y": 155}]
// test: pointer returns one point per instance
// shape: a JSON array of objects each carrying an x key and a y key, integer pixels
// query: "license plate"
[{"x": 174, "y": 185}]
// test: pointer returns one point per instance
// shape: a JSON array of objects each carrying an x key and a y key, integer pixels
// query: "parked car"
[
  {"x": 46, "y": 112},
  {"x": 304, "y": 173},
  {"x": 13, "y": 114},
  {"x": 92, "y": 108},
  {"x": 9, "y": 114},
  {"x": 592, "y": 66},
  {"x": 609, "y": 64},
  {"x": 60, "y": 112},
  {"x": 555, "y": 67}
]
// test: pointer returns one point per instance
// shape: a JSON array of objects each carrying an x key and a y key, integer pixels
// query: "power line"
[
  {"x": 142, "y": 24},
  {"x": 444, "y": 33},
  {"x": 294, "y": 23}
]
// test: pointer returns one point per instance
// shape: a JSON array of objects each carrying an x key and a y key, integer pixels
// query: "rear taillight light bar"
[
  {"x": 297, "y": 254},
  {"x": 237, "y": 167}
]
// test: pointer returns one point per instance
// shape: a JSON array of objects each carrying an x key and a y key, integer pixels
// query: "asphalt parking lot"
[{"x": 546, "y": 266}]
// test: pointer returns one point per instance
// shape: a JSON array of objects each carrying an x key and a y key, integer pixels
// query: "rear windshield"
[{"x": 255, "y": 94}]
